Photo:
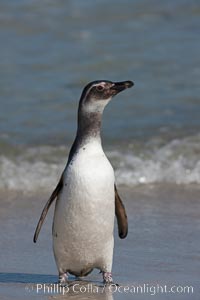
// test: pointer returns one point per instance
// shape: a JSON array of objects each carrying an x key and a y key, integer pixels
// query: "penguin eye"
[{"x": 100, "y": 88}]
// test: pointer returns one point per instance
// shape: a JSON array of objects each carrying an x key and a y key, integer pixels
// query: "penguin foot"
[
  {"x": 107, "y": 277},
  {"x": 63, "y": 277}
]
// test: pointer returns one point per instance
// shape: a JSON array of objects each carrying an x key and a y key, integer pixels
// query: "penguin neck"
[
  {"x": 88, "y": 131},
  {"x": 89, "y": 127}
]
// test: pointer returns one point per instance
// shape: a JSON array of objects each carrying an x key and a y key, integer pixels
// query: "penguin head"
[{"x": 97, "y": 94}]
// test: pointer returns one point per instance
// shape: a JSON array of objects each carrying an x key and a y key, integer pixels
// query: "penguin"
[{"x": 86, "y": 195}]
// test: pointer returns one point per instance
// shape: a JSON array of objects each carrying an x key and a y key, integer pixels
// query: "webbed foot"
[
  {"x": 107, "y": 277},
  {"x": 63, "y": 277}
]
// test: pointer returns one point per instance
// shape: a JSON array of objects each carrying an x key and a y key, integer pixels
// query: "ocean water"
[{"x": 51, "y": 49}]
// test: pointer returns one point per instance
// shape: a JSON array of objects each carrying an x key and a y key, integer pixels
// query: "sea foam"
[{"x": 176, "y": 162}]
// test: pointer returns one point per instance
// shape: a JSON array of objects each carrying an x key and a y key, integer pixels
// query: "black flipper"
[
  {"x": 54, "y": 195},
  {"x": 121, "y": 216}
]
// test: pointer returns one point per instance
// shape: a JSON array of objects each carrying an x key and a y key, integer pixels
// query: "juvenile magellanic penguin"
[{"x": 87, "y": 197}]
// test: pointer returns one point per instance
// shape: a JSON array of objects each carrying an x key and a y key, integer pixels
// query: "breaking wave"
[{"x": 176, "y": 162}]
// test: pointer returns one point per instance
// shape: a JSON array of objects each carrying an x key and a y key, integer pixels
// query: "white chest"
[
  {"x": 90, "y": 173},
  {"x": 88, "y": 189}
]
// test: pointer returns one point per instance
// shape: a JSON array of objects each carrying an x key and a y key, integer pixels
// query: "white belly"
[{"x": 84, "y": 214}]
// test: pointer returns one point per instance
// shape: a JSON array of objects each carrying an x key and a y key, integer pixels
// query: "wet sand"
[{"x": 162, "y": 247}]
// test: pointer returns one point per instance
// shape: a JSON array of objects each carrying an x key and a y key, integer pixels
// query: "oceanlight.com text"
[{"x": 89, "y": 288}]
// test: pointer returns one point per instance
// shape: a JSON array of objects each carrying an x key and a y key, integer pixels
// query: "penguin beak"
[{"x": 120, "y": 86}]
